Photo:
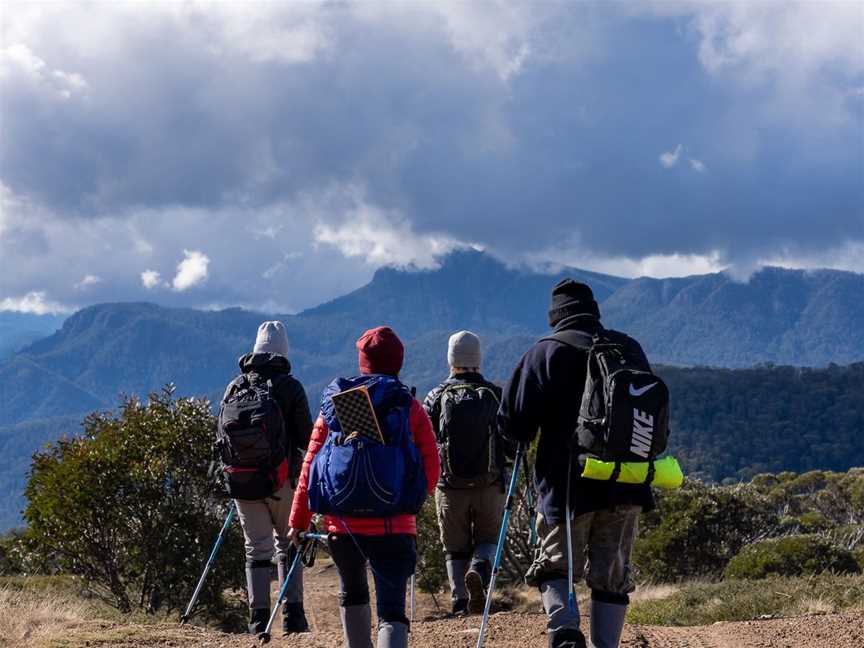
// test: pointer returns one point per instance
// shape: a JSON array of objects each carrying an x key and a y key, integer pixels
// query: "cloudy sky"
[{"x": 272, "y": 155}]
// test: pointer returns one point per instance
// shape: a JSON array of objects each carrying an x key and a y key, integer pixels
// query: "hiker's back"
[
  {"x": 556, "y": 390},
  {"x": 470, "y": 494},
  {"x": 465, "y": 410},
  {"x": 263, "y": 427}
]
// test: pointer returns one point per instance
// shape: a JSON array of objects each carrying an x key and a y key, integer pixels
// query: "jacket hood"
[
  {"x": 587, "y": 323},
  {"x": 264, "y": 363}
]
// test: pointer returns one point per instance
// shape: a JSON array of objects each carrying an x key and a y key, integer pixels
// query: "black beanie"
[{"x": 571, "y": 298}]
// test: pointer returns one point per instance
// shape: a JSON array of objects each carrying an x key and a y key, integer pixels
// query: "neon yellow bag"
[{"x": 667, "y": 472}]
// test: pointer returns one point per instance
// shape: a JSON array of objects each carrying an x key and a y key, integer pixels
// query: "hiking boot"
[
  {"x": 460, "y": 607},
  {"x": 294, "y": 619},
  {"x": 476, "y": 587},
  {"x": 258, "y": 618},
  {"x": 567, "y": 638}
]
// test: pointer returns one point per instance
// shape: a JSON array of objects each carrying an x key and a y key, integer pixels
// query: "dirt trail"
[{"x": 506, "y": 630}]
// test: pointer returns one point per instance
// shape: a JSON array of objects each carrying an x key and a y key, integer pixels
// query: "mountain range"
[{"x": 779, "y": 316}]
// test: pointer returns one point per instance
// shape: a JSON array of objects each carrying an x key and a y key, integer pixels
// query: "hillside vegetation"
[{"x": 803, "y": 419}]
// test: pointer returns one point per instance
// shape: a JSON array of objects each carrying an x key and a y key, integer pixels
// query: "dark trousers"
[{"x": 392, "y": 558}]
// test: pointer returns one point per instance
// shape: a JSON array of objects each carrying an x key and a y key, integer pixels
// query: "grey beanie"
[
  {"x": 463, "y": 350},
  {"x": 271, "y": 338}
]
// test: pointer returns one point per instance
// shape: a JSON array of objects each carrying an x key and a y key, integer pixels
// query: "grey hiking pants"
[{"x": 265, "y": 524}]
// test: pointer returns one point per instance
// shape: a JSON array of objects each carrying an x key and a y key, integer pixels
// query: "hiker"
[
  {"x": 261, "y": 466},
  {"x": 371, "y": 519},
  {"x": 470, "y": 495},
  {"x": 544, "y": 395}
]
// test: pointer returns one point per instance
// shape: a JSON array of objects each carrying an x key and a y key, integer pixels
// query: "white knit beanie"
[
  {"x": 271, "y": 338},
  {"x": 463, "y": 350}
]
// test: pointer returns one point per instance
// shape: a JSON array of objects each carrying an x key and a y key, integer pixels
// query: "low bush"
[
  {"x": 795, "y": 555},
  {"x": 740, "y": 600},
  {"x": 695, "y": 531}
]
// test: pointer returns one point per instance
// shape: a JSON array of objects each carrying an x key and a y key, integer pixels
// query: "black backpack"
[
  {"x": 467, "y": 427},
  {"x": 624, "y": 412},
  {"x": 250, "y": 439}
]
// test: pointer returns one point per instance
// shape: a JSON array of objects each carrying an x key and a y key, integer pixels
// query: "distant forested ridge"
[
  {"x": 723, "y": 418},
  {"x": 736, "y": 423}
]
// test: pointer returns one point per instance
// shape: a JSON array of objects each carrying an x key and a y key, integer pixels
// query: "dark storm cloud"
[{"x": 539, "y": 128}]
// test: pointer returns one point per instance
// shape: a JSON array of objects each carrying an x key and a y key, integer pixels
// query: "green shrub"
[
  {"x": 11, "y": 553},
  {"x": 128, "y": 506},
  {"x": 431, "y": 570},
  {"x": 858, "y": 552},
  {"x": 796, "y": 555},
  {"x": 695, "y": 531}
]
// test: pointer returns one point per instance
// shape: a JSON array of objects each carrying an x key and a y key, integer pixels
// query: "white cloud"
[
  {"x": 380, "y": 237},
  {"x": 191, "y": 271},
  {"x": 848, "y": 256},
  {"x": 670, "y": 158},
  {"x": 20, "y": 58},
  {"x": 697, "y": 165},
  {"x": 87, "y": 281},
  {"x": 654, "y": 265},
  {"x": 150, "y": 279},
  {"x": 36, "y": 303}
]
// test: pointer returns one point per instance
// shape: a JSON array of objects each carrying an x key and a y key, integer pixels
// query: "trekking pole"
[
  {"x": 571, "y": 588},
  {"x": 413, "y": 599},
  {"x": 502, "y": 536},
  {"x": 264, "y": 637},
  {"x": 188, "y": 613},
  {"x": 530, "y": 503}
]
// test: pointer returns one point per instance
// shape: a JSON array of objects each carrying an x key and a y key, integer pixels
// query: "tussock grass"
[
  {"x": 29, "y": 616},
  {"x": 741, "y": 600}
]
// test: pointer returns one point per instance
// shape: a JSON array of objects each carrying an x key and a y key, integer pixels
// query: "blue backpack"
[{"x": 363, "y": 478}]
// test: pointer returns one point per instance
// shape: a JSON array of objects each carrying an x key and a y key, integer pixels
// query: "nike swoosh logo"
[{"x": 641, "y": 390}]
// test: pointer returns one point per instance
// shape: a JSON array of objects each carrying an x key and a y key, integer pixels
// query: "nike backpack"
[
  {"x": 355, "y": 476},
  {"x": 467, "y": 427},
  {"x": 250, "y": 440},
  {"x": 624, "y": 411}
]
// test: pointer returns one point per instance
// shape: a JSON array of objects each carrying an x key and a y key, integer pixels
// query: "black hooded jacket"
[
  {"x": 290, "y": 396},
  {"x": 544, "y": 395}
]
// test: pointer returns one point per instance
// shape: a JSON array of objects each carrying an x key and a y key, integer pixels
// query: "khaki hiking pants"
[
  {"x": 469, "y": 517},
  {"x": 602, "y": 543}
]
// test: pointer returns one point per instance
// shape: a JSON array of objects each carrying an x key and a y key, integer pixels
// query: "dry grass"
[
  {"x": 816, "y": 606},
  {"x": 653, "y": 592},
  {"x": 28, "y": 617}
]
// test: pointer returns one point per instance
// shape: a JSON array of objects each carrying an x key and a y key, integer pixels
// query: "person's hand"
[{"x": 294, "y": 536}]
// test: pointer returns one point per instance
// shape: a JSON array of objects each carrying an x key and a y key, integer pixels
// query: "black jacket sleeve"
[
  {"x": 295, "y": 409},
  {"x": 432, "y": 405},
  {"x": 522, "y": 403}
]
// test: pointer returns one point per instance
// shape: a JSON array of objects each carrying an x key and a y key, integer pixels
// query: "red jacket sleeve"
[
  {"x": 424, "y": 439},
  {"x": 300, "y": 514}
]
